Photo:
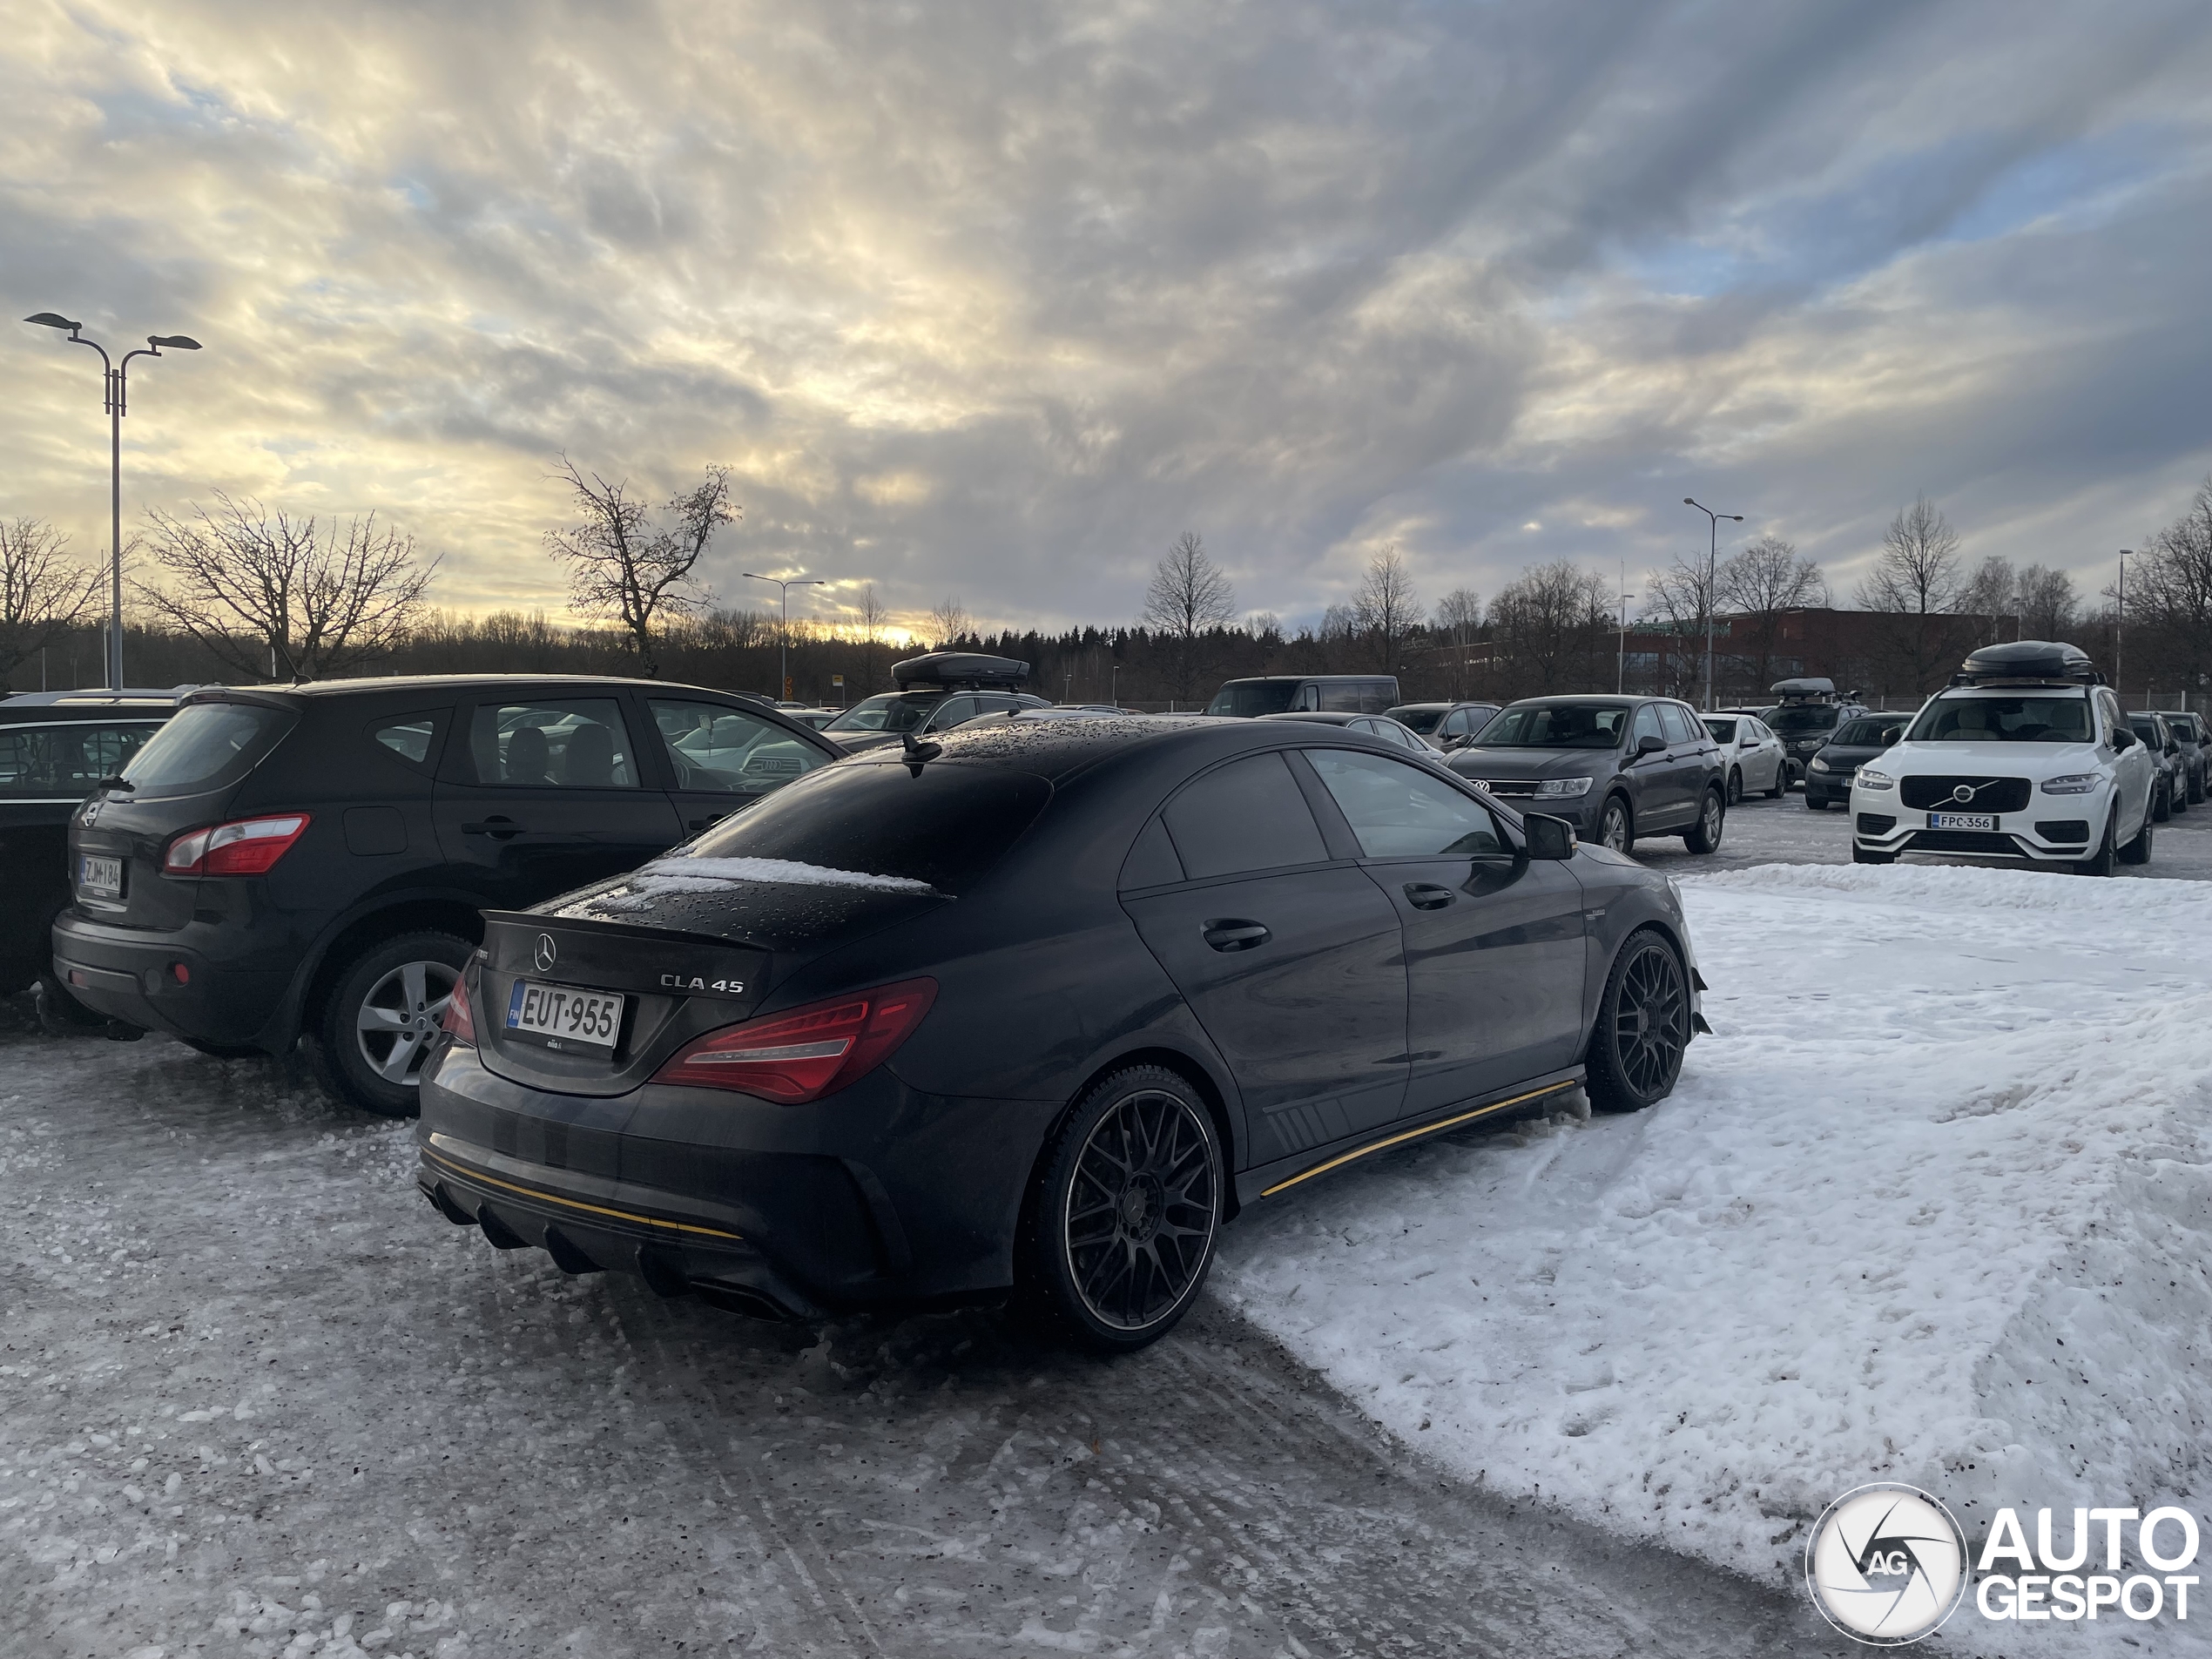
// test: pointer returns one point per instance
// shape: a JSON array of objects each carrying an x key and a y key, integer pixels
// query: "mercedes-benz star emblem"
[
  {"x": 1963, "y": 793},
  {"x": 546, "y": 952}
]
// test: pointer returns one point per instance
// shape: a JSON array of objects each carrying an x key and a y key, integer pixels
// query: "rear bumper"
[
  {"x": 164, "y": 982},
  {"x": 878, "y": 1195}
]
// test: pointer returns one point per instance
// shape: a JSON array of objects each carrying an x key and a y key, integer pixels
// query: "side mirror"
[
  {"x": 1549, "y": 838},
  {"x": 1649, "y": 745},
  {"x": 2122, "y": 739}
]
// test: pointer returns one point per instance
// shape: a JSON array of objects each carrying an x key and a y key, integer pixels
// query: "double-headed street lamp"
[
  {"x": 114, "y": 382},
  {"x": 1712, "y": 561},
  {"x": 783, "y": 660}
]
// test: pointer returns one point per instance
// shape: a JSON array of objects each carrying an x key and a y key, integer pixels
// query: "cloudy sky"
[{"x": 992, "y": 299}]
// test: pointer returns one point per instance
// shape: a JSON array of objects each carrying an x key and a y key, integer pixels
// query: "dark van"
[
  {"x": 310, "y": 860},
  {"x": 1281, "y": 693}
]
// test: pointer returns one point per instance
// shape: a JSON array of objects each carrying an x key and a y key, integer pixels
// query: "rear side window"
[
  {"x": 1352, "y": 698},
  {"x": 553, "y": 743},
  {"x": 1248, "y": 815},
  {"x": 206, "y": 746},
  {"x": 716, "y": 749},
  {"x": 1398, "y": 811},
  {"x": 946, "y": 824},
  {"x": 58, "y": 763},
  {"x": 1680, "y": 727},
  {"x": 413, "y": 738}
]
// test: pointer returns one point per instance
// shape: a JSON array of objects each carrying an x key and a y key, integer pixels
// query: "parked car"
[
  {"x": 55, "y": 748},
  {"x": 2027, "y": 755},
  {"x": 1036, "y": 1012},
  {"x": 2170, "y": 793},
  {"x": 1278, "y": 693},
  {"x": 816, "y": 718},
  {"x": 1828, "y": 777},
  {"x": 281, "y": 861},
  {"x": 2196, "y": 750},
  {"x": 1615, "y": 767},
  {"x": 1446, "y": 725},
  {"x": 936, "y": 691},
  {"x": 1753, "y": 755},
  {"x": 1395, "y": 734},
  {"x": 1808, "y": 713}
]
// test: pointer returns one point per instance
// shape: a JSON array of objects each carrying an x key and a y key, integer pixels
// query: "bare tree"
[
  {"x": 1189, "y": 600},
  {"x": 1459, "y": 618},
  {"x": 1680, "y": 598},
  {"x": 622, "y": 567},
  {"x": 1544, "y": 627},
  {"x": 949, "y": 622},
  {"x": 42, "y": 592},
  {"x": 1760, "y": 586},
  {"x": 268, "y": 594},
  {"x": 1919, "y": 588},
  {"x": 2044, "y": 604},
  {"x": 1385, "y": 607},
  {"x": 869, "y": 630},
  {"x": 1991, "y": 594},
  {"x": 2169, "y": 596}
]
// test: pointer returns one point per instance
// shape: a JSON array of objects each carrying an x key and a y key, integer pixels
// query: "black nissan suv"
[{"x": 309, "y": 860}]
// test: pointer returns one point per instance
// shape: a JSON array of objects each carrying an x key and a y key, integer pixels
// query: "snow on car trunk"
[{"x": 1931, "y": 1206}]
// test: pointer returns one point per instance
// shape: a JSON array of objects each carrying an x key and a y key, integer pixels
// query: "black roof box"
[
  {"x": 2038, "y": 662},
  {"x": 961, "y": 668},
  {"x": 1812, "y": 686}
]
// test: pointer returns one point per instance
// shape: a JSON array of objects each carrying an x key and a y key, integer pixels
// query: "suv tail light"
[
  {"x": 806, "y": 1053},
  {"x": 458, "y": 1023},
  {"x": 243, "y": 847}
]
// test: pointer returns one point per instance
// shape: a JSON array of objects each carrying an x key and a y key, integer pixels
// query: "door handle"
[
  {"x": 1427, "y": 895},
  {"x": 1233, "y": 934},
  {"x": 499, "y": 828}
]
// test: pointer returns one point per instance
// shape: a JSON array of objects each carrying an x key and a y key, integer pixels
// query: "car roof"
[
  {"x": 21, "y": 710},
  {"x": 1321, "y": 716},
  {"x": 1057, "y": 750},
  {"x": 369, "y": 686},
  {"x": 1615, "y": 699}
]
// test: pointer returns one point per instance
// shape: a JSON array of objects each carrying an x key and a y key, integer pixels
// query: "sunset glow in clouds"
[{"x": 992, "y": 300}]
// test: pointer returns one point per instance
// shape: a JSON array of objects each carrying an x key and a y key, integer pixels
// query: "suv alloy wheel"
[
  {"x": 1615, "y": 829},
  {"x": 382, "y": 1017},
  {"x": 2100, "y": 863}
]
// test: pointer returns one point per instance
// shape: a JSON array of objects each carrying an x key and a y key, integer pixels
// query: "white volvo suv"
[{"x": 2025, "y": 756}]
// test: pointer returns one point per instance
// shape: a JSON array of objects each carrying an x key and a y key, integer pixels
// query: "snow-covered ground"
[{"x": 1933, "y": 1204}]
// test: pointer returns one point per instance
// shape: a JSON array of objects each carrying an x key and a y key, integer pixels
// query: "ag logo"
[
  {"x": 1886, "y": 1564},
  {"x": 546, "y": 954}
]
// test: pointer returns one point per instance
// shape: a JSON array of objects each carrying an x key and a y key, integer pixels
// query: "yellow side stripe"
[
  {"x": 467, "y": 1174},
  {"x": 1413, "y": 1134}
]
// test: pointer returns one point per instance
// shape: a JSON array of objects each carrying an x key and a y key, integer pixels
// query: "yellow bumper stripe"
[
  {"x": 1415, "y": 1135},
  {"x": 532, "y": 1193}
]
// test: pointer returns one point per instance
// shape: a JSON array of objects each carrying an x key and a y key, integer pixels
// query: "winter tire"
[
  {"x": 1123, "y": 1218},
  {"x": 1735, "y": 786},
  {"x": 1643, "y": 1027},
  {"x": 2101, "y": 862},
  {"x": 1712, "y": 818},
  {"x": 2162, "y": 804},
  {"x": 382, "y": 1019},
  {"x": 2138, "y": 851},
  {"x": 1781, "y": 781},
  {"x": 1616, "y": 828}
]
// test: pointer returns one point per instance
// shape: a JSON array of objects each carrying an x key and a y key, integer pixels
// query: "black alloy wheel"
[
  {"x": 1712, "y": 817},
  {"x": 1735, "y": 786},
  {"x": 1642, "y": 1026},
  {"x": 1615, "y": 829},
  {"x": 1126, "y": 1212},
  {"x": 2101, "y": 862},
  {"x": 382, "y": 1019}
]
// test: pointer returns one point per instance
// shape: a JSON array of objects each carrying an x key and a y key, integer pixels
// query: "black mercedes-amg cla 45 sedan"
[{"x": 1035, "y": 1008}]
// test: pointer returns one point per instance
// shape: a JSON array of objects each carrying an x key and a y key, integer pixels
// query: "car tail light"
[
  {"x": 243, "y": 847},
  {"x": 806, "y": 1053},
  {"x": 458, "y": 1023}
]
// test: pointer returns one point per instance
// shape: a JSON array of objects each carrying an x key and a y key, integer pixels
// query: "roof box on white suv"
[
  {"x": 967, "y": 669},
  {"x": 1810, "y": 689},
  {"x": 2028, "y": 662}
]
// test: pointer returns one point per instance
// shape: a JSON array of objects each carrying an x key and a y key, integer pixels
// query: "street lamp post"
[
  {"x": 2120, "y": 627},
  {"x": 1621, "y": 678},
  {"x": 1712, "y": 561},
  {"x": 783, "y": 639},
  {"x": 114, "y": 384}
]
